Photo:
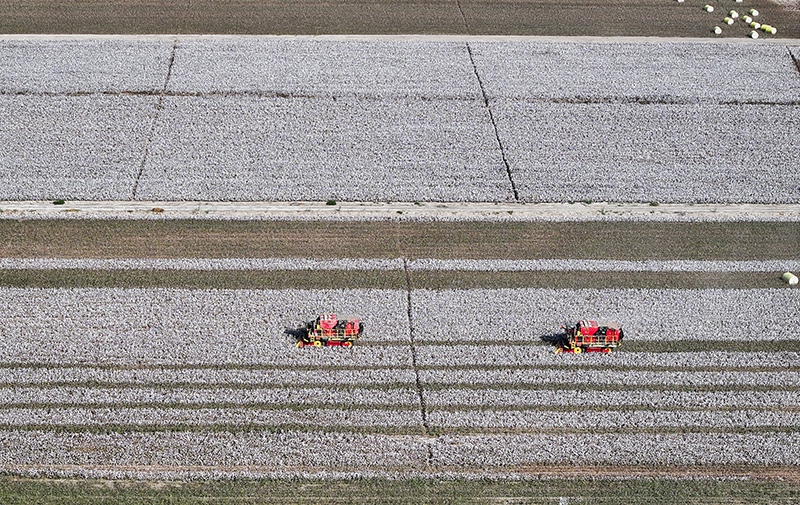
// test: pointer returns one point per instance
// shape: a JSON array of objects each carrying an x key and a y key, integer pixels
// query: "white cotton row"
[
  {"x": 102, "y": 65},
  {"x": 203, "y": 264},
  {"x": 254, "y": 454},
  {"x": 314, "y": 68},
  {"x": 421, "y": 265},
  {"x": 652, "y": 152},
  {"x": 611, "y": 419},
  {"x": 591, "y": 265},
  {"x": 312, "y": 418},
  {"x": 208, "y": 377},
  {"x": 636, "y": 71},
  {"x": 271, "y": 119},
  {"x": 645, "y": 314},
  {"x": 297, "y": 394},
  {"x": 195, "y": 327},
  {"x": 611, "y": 378},
  {"x": 618, "y": 449},
  {"x": 647, "y": 399},
  {"x": 246, "y": 148},
  {"x": 390, "y": 69},
  {"x": 543, "y": 355},
  {"x": 241, "y": 453},
  {"x": 72, "y": 147}
]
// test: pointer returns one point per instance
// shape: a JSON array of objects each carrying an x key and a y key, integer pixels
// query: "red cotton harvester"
[
  {"x": 590, "y": 336},
  {"x": 327, "y": 330}
]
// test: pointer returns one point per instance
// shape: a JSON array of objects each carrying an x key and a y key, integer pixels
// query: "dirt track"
[{"x": 663, "y": 18}]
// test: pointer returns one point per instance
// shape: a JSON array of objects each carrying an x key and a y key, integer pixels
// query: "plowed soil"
[{"x": 662, "y": 18}]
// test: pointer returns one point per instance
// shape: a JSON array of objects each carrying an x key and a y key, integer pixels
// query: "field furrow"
[
  {"x": 494, "y": 397},
  {"x": 313, "y": 418},
  {"x": 340, "y": 394}
]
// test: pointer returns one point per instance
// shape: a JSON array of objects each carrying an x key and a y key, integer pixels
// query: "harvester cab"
[
  {"x": 328, "y": 330},
  {"x": 591, "y": 336}
]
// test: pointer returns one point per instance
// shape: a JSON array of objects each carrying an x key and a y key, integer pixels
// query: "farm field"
[
  {"x": 148, "y": 358},
  {"x": 122, "y": 378},
  {"x": 377, "y": 120}
]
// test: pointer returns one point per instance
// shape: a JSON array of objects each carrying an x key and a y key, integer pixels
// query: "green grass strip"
[
  {"x": 204, "y": 279},
  {"x": 187, "y": 238},
  {"x": 380, "y": 279},
  {"x": 590, "y": 489},
  {"x": 578, "y": 279}
]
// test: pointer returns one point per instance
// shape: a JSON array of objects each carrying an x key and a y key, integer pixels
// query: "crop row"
[
  {"x": 209, "y": 327},
  {"x": 645, "y": 314},
  {"x": 318, "y": 150},
  {"x": 353, "y": 418},
  {"x": 205, "y": 264},
  {"x": 612, "y": 152},
  {"x": 206, "y": 377},
  {"x": 541, "y": 355},
  {"x": 240, "y": 451},
  {"x": 422, "y": 265},
  {"x": 618, "y": 449},
  {"x": 592, "y": 265},
  {"x": 313, "y": 418},
  {"x": 253, "y": 454},
  {"x": 610, "y": 419},
  {"x": 217, "y": 327},
  {"x": 611, "y": 378},
  {"x": 489, "y": 398},
  {"x": 76, "y": 147},
  {"x": 310, "y": 67},
  {"x": 321, "y": 395}
]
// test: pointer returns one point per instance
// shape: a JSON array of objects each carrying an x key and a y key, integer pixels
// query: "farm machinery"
[
  {"x": 328, "y": 330},
  {"x": 590, "y": 336}
]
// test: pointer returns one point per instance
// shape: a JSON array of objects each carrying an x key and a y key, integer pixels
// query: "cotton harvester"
[
  {"x": 327, "y": 330},
  {"x": 590, "y": 336}
]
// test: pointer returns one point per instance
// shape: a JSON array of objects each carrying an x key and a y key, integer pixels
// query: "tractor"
[
  {"x": 328, "y": 330},
  {"x": 590, "y": 336}
]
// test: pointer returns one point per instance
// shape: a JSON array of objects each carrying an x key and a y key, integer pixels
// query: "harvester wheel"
[
  {"x": 318, "y": 343},
  {"x": 577, "y": 350},
  {"x": 299, "y": 344},
  {"x": 347, "y": 344}
]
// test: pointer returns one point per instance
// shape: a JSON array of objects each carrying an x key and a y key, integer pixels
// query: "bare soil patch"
[
  {"x": 318, "y": 17},
  {"x": 447, "y": 240},
  {"x": 382, "y": 279}
]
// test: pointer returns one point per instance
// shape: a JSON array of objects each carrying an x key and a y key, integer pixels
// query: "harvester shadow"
[
  {"x": 296, "y": 333},
  {"x": 556, "y": 339}
]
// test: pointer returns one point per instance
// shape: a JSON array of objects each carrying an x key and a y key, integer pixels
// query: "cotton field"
[
  {"x": 208, "y": 378},
  {"x": 128, "y": 365},
  {"x": 284, "y": 119}
]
